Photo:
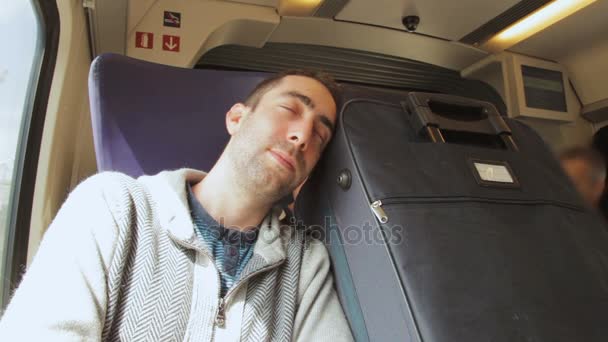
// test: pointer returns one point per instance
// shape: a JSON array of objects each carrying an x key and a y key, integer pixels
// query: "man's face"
[
  {"x": 581, "y": 174},
  {"x": 274, "y": 147}
]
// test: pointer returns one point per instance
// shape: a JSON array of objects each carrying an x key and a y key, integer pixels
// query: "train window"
[{"x": 20, "y": 65}]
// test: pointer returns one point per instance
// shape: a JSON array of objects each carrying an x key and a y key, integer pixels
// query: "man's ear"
[{"x": 235, "y": 116}]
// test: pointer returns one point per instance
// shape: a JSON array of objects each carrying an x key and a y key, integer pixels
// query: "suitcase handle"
[{"x": 437, "y": 113}]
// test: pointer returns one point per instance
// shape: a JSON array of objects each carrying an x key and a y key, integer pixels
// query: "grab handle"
[{"x": 436, "y": 114}]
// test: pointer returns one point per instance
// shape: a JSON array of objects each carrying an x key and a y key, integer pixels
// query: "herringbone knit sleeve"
[
  {"x": 63, "y": 294},
  {"x": 320, "y": 316}
]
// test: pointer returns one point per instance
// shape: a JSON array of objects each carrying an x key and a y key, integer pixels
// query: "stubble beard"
[{"x": 255, "y": 174}]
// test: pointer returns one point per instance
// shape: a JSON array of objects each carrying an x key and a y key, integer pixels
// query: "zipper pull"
[
  {"x": 220, "y": 318},
  {"x": 379, "y": 212}
]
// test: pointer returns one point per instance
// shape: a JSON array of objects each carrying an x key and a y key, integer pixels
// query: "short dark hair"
[
  {"x": 590, "y": 156},
  {"x": 253, "y": 99}
]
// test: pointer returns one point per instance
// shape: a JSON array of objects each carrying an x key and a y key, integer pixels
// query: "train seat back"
[{"x": 149, "y": 117}]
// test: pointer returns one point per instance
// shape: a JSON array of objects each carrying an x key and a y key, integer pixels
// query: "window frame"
[{"x": 26, "y": 167}]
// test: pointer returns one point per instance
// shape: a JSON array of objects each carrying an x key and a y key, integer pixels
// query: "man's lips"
[{"x": 284, "y": 160}]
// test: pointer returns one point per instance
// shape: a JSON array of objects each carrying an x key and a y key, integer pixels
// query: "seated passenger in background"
[
  {"x": 189, "y": 256},
  {"x": 587, "y": 169}
]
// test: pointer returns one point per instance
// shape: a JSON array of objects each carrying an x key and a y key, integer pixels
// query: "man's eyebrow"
[
  {"x": 305, "y": 99},
  {"x": 308, "y": 102},
  {"x": 325, "y": 120}
]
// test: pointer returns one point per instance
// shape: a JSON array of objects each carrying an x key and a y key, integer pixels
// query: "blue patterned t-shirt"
[{"x": 231, "y": 249}]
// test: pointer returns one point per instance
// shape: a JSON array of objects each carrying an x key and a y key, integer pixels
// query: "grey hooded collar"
[{"x": 169, "y": 190}]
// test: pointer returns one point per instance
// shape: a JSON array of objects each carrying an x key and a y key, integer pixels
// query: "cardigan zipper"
[{"x": 220, "y": 316}]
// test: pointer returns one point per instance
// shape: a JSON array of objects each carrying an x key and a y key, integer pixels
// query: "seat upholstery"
[{"x": 149, "y": 117}]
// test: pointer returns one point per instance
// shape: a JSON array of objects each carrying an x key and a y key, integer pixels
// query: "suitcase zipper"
[{"x": 376, "y": 207}]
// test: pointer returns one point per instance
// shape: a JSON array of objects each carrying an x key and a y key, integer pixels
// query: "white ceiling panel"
[
  {"x": 580, "y": 31},
  {"x": 449, "y": 19}
]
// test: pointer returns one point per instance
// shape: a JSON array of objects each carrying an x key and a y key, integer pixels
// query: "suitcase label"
[{"x": 491, "y": 173}]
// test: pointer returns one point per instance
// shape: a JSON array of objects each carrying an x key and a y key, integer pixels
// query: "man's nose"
[{"x": 300, "y": 135}]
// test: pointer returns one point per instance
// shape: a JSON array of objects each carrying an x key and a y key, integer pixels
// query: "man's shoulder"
[
  {"x": 113, "y": 181},
  {"x": 105, "y": 183},
  {"x": 311, "y": 241},
  {"x": 314, "y": 262},
  {"x": 171, "y": 180},
  {"x": 314, "y": 247},
  {"x": 112, "y": 189},
  {"x": 110, "y": 176}
]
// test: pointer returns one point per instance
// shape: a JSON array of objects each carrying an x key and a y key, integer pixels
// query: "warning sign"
[
  {"x": 144, "y": 40},
  {"x": 170, "y": 43},
  {"x": 172, "y": 19}
]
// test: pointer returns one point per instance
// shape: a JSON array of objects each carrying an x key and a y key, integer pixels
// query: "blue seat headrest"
[{"x": 149, "y": 117}]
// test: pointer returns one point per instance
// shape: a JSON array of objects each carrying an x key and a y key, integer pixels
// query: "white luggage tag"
[{"x": 493, "y": 173}]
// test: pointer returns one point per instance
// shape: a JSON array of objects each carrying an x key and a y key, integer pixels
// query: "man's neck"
[{"x": 227, "y": 203}]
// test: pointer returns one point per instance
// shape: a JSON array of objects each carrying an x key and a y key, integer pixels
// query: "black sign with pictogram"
[{"x": 172, "y": 19}]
